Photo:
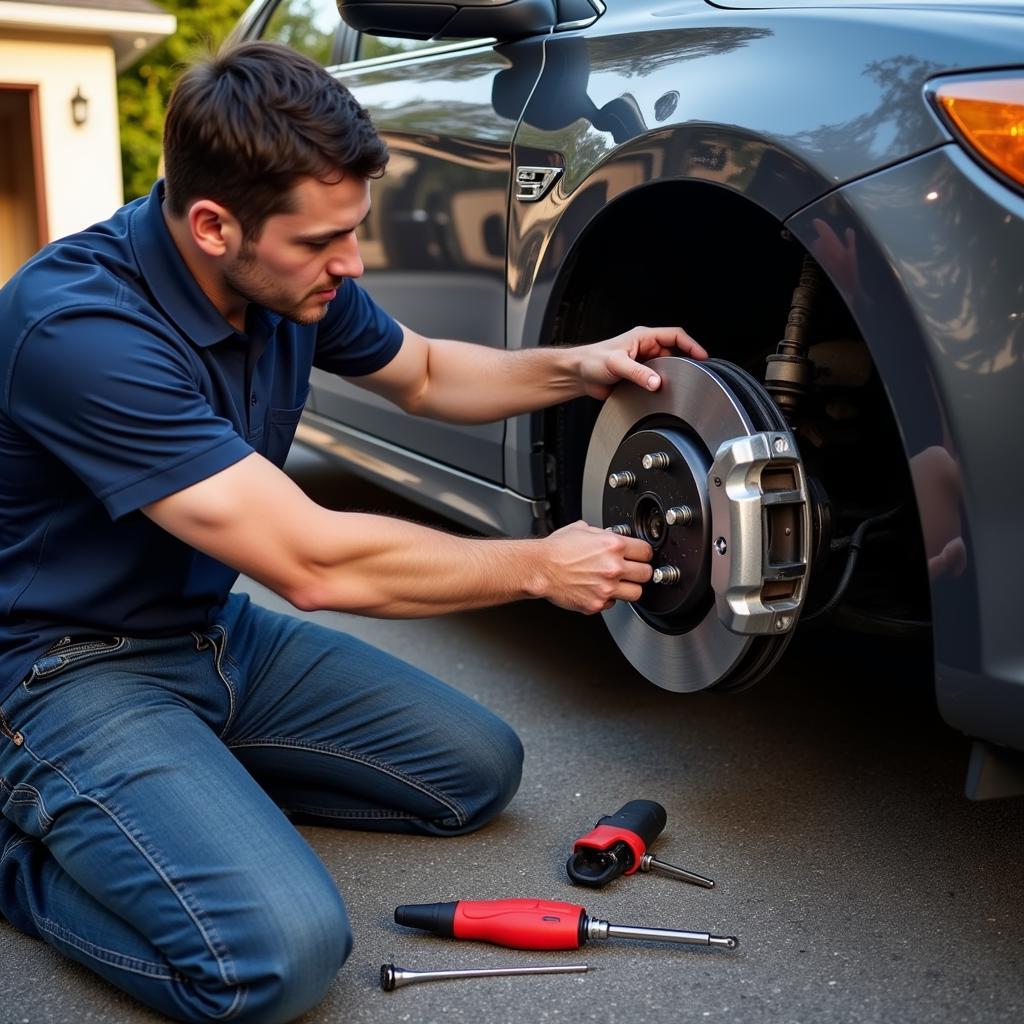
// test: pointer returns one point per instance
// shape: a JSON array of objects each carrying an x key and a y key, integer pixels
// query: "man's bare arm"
[
  {"x": 465, "y": 383},
  {"x": 252, "y": 517}
]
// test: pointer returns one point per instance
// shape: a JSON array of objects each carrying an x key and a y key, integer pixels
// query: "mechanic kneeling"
[{"x": 158, "y": 730}]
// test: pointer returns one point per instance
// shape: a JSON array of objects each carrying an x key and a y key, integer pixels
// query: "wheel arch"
[
  {"x": 723, "y": 267},
  {"x": 642, "y": 258}
]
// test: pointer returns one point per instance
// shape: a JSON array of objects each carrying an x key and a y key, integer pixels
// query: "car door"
[{"x": 434, "y": 244}]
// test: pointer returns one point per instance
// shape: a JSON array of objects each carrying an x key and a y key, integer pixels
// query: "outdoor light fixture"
[{"x": 79, "y": 107}]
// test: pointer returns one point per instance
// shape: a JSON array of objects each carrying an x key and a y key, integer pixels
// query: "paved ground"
[{"x": 826, "y": 803}]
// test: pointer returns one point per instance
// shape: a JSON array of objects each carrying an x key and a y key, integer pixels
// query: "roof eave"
[{"x": 131, "y": 33}]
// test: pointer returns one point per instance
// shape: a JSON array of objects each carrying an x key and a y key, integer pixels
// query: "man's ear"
[{"x": 214, "y": 230}]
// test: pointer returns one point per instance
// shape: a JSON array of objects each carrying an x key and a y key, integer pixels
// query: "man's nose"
[{"x": 347, "y": 263}]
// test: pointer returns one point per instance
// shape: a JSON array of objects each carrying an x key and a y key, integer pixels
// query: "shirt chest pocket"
[{"x": 281, "y": 424}]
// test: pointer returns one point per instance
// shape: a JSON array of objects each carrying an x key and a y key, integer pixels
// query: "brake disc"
[{"x": 706, "y": 470}]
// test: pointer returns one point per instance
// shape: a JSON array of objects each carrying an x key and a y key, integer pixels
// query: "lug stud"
[
  {"x": 622, "y": 529},
  {"x": 666, "y": 574},
  {"x": 625, "y": 478},
  {"x": 679, "y": 514},
  {"x": 655, "y": 460}
]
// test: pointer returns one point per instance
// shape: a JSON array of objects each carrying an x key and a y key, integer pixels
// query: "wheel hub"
[
  {"x": 706, "y": 471},
  {"x": 672, "y": 486}
]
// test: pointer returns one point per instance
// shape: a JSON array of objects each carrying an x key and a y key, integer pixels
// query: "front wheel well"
[{"x": 704, "y": 258}]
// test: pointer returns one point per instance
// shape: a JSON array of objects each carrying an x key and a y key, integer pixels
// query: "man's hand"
[
  {"x": 587, "y": 570},
  {"x": 603, "y": 364}
]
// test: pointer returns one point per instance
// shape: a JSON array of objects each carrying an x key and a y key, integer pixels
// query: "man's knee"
[
  {"x": 495, "y": 765},
  {"x": 287, "y": 969}
]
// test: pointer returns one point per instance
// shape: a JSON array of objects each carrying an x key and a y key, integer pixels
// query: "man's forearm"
[
  {"x": 466, "y": 383},
  {"x": 252, "y": 517},
  {"x": 469, "y": 383},
  {"x": 401, "y": 570},
  {"x": 375, "y": 565}
]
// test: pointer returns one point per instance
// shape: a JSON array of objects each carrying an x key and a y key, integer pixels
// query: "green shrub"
[{"x": 143, "y": 89}]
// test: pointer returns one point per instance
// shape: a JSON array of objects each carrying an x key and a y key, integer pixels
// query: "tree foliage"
[{"x": 143, "y": 89}]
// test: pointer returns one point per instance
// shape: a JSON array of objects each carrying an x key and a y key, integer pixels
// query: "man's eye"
[{"x": 317, "y": 245}]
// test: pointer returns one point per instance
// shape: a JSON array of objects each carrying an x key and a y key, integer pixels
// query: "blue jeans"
[{"x": 146, "y": 787}]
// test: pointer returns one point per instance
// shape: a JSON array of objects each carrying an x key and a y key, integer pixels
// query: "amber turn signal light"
[{"x": 988, "y": 114}]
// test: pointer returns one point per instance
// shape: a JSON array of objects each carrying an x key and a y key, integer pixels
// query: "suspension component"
[{"x": 787, "y": 377}]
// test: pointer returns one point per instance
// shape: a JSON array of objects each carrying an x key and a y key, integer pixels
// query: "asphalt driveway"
[{"x": 826, "y": 803}]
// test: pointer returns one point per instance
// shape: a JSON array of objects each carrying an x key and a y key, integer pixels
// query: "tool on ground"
[
  {"x": 392, "y": 977},
  {"x": 535, "y": 924},
  {"x": 618, "y": 846}
]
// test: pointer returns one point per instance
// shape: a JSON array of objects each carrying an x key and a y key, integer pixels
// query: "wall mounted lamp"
[{"x": 79, "y": 107}]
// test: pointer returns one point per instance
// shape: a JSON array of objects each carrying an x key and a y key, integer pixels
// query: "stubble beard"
[{"x": 248, "y": 279}]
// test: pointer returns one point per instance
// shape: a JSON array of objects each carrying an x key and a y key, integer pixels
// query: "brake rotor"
[{"x": 705, "y": 470}]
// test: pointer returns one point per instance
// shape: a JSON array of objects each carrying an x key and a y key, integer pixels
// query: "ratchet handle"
[
  {"x": 617, "y": 844},
  {"x": 514, "y": 923}
]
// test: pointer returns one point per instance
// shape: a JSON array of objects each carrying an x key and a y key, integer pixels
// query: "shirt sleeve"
[
  {"x": 119, "y": 405},
  {"x": 356, "y": 337}
]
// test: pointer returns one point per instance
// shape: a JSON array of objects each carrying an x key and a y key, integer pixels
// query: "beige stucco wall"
[{"x": 81, "y": 164}]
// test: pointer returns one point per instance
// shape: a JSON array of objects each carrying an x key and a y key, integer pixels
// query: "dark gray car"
[{"x": 828, "y": 196}]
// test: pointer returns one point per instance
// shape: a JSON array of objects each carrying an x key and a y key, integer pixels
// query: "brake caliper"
[{"x": 707, "y": 472}]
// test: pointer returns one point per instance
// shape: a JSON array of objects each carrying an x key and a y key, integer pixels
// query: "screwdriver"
[
  {"x": 535, "y": 924},
  {"x": 392, "y": 977}
]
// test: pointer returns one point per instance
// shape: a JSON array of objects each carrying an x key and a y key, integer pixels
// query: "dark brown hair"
[{"x": 245, "y": 125}]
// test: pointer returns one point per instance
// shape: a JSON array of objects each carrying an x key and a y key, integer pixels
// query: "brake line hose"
[{"x": 855, "y": 543}]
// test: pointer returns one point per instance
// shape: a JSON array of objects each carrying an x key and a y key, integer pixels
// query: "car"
[{"x": 827, "y": 194}]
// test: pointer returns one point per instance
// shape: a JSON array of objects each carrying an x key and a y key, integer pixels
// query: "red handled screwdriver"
[{"x": 535, "y": 924}]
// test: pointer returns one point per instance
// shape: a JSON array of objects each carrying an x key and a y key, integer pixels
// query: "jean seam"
[
  {"x": 88, "y": 658},
  {"x": 353, "y": 814},
  {"x": 23, "y": 793},
  {"x": 321, "y": 748},
  {"x": 71, "y": 658},
  {"x": 224, "y": 965},
  {"x": 32, "y": 798},
  {"x": 12, "y": 844},
  {"x": 220, "y": 655},
  {"x": 106, "y": 956}
]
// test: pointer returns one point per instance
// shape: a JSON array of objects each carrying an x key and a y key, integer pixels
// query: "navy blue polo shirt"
[{"x": 120, "y": 384}]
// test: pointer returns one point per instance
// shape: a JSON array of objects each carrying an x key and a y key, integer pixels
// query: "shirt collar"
[{"x": 170, "y": 281}]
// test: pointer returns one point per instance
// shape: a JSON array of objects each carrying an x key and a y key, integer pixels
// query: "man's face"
[{"x": 302, "y": 257}]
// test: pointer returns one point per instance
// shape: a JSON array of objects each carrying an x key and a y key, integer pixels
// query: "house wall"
[{"x": 81, "y": 163}]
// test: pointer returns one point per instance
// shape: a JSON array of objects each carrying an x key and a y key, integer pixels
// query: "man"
[{"x": 157, "y": 729}]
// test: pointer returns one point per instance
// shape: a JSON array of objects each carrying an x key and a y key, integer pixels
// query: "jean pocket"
[
  {"x": 67, "y": 653},
  {"x": 23, "y": 806}
]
